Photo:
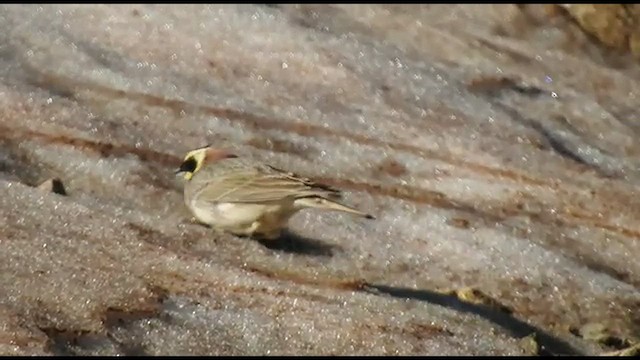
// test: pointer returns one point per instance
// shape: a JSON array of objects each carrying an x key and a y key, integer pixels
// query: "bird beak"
[{"x": 178, "y": 172}]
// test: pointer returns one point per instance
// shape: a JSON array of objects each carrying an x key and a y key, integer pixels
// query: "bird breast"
[{"x": 237, "y": 215}]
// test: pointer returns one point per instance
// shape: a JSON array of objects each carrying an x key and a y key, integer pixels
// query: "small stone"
[
  {"x": 53, "y": 185},
  {"x": 459, "y": 223}
]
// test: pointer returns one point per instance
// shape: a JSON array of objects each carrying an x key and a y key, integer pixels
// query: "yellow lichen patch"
[
  {"x": 529, "y": 345},
  {"x": 478, "y": 297}
]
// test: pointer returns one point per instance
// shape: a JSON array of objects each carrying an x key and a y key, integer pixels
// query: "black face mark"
[{"x": 189, "y": 165}]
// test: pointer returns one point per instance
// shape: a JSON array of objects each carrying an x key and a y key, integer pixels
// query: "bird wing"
[{"x": 262, "y": 184}]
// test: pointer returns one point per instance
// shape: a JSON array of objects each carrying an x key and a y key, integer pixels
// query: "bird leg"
[{"x": 272, "y": 235}]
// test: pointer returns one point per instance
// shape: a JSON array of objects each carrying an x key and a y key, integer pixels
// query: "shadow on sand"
[
  {"x": 292, "y": 243},
  {"x": 549, "y": 345}
]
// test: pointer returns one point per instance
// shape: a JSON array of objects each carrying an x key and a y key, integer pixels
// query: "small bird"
[{"x": 248, "y": 198}]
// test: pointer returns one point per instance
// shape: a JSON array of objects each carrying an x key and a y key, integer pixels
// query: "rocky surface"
[
  {"x": 616, "y": 26},
  {"x": 497, "y": 146}
]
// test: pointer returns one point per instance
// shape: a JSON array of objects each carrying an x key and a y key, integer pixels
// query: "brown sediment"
[
  {"x": 341, "y": 284},
  {"x": 437, "y": 199},
  {"x": 49, "y": 80},
  {"x": 392, "y": 167},
  {"x": 499, "y": 213},
  {"x": 278, "y": 145},
  {"x": 105, "y": 149}
]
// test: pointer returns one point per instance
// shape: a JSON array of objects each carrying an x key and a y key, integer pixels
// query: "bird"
[{"x": 247, "y": 197}]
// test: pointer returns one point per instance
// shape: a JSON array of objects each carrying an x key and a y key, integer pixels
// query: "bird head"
[{"x": 195, "y": 159}]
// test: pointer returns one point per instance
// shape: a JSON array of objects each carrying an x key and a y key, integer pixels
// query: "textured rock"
[
  {"x": 500, "y": 161},
  {"x": 614, "y": 25},
  {"x": 609, "y": 23}
]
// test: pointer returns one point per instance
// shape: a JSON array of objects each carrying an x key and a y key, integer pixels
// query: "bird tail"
[{"x": 326, "y": 204}]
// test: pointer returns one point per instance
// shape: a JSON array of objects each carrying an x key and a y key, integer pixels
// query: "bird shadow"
[
  {"x": 549, "y": 344},
  {"x": 293, "y": 243},
  {"x": 289, "y": 242}
]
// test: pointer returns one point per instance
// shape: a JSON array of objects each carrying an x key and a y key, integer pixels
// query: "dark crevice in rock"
[
  {"x": 72, "y": 342},
  {"x": 492, "y": 87},
  {"x": 555, "y": 142},
  {"x": 610, "y": 271}
]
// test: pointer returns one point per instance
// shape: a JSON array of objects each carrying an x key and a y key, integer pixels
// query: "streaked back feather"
[{"x": 243, "y": 180}]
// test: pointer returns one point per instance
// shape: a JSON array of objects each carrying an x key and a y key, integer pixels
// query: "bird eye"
[{"x": 189, "y": 165}]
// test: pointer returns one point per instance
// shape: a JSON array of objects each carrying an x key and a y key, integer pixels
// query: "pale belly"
[{"x": 245, "y": 219}]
